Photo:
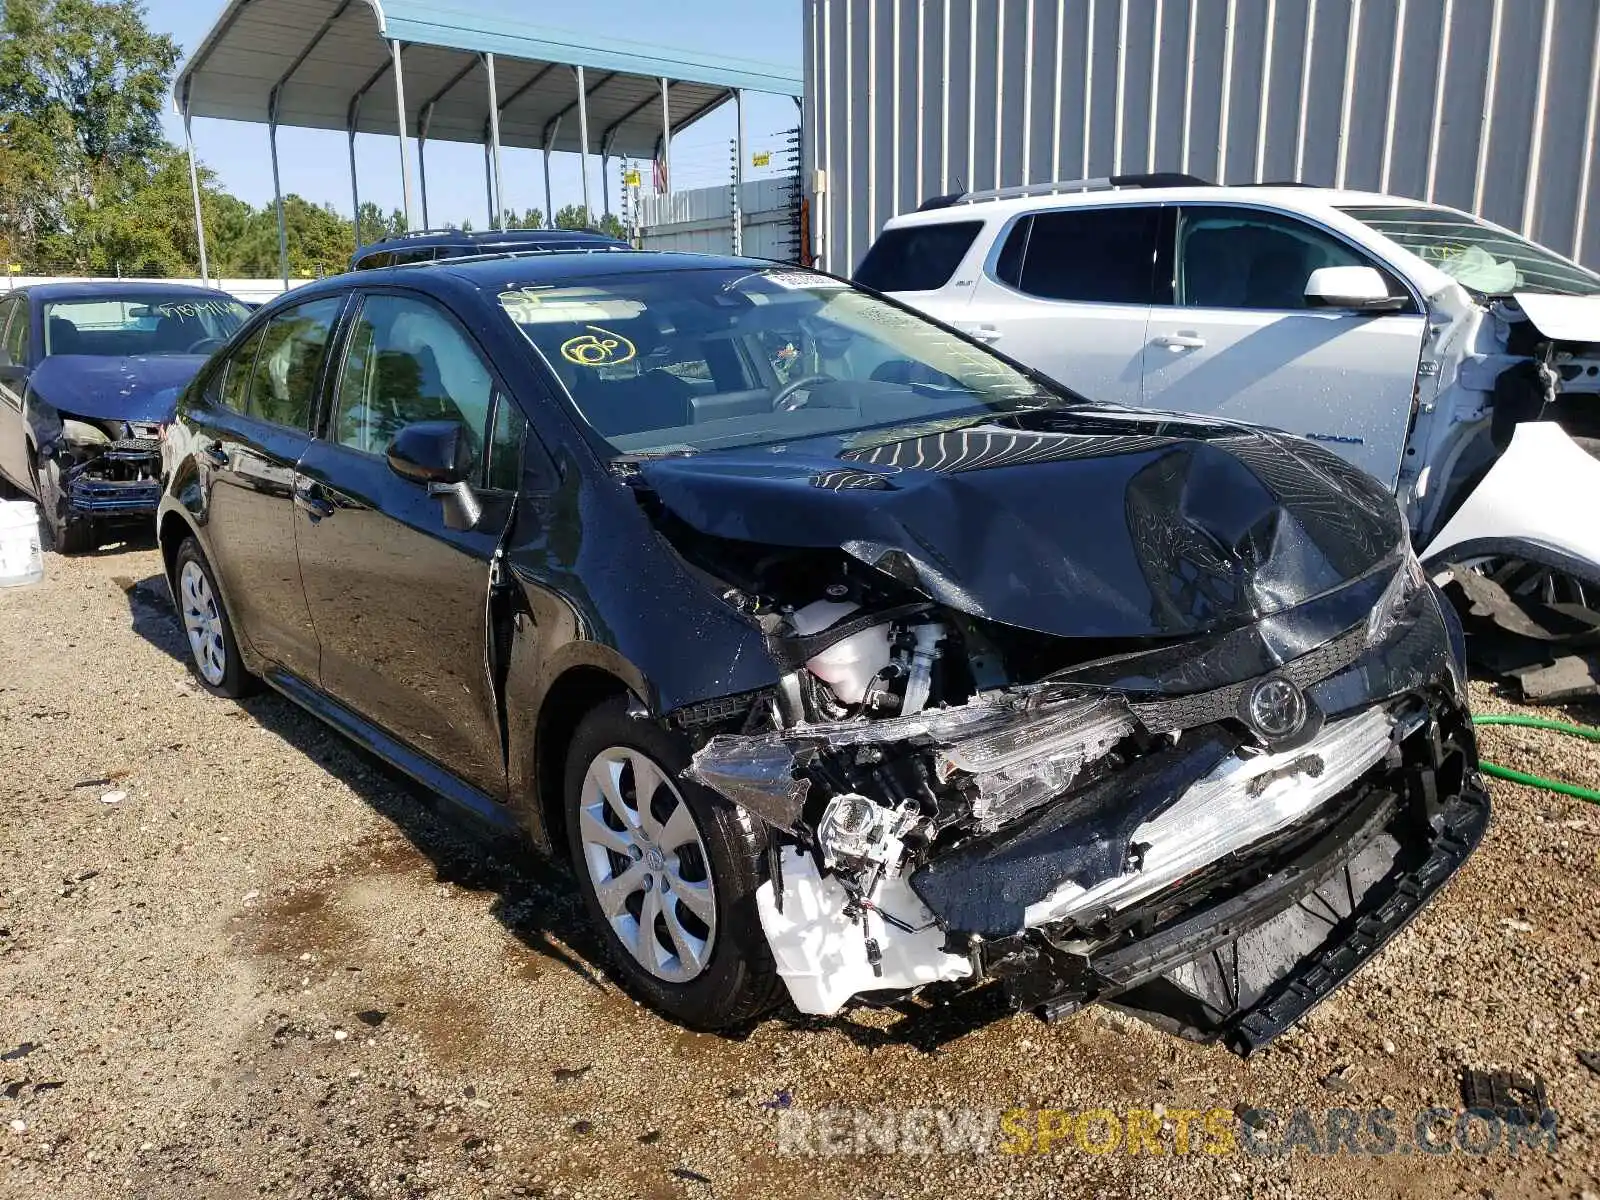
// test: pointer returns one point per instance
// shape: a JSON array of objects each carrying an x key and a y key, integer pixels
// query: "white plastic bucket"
[{"x": 21, "y": 556}]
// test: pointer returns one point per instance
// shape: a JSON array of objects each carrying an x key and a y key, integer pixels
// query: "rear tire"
[
  {"x": 213, "y": 649},
  {"x": 678, "y": 854}
]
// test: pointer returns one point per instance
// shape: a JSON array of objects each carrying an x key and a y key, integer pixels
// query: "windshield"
[
  {"x": 1487, "y": 260},
  {"x": 140, "y": 325},
  {"x": 678, "y": 361}
]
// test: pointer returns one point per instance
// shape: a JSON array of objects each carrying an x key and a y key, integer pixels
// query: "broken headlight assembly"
[{"x": 1016, "y": 767}]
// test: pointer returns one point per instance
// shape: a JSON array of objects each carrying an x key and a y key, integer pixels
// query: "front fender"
[{"x": 1537, "y": 503}]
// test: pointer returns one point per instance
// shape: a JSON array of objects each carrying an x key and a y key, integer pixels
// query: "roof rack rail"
[
  {"x": 530, "y": 252},
  {"x": 1151, "y": 179}
]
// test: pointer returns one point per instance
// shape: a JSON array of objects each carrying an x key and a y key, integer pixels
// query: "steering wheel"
[
  {"x": 783, "y": 400},
  {"x": 205, "y": 346}
]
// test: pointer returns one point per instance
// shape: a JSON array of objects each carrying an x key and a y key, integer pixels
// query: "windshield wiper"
[{"x": 639, "y": 456}]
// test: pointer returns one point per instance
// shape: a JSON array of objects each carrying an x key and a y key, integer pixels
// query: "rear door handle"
[
  {"x": 309, "y": 498},
  {"x": 1184, "y": 339},
  {"x": 215, "y": 455}
]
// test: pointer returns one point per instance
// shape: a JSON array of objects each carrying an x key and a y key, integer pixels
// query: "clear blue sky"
[{"x": 315, "y": 163}]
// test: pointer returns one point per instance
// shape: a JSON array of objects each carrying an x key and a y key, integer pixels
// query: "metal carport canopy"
[
  {"x": 458, "y": 74},
  {"x": 323, "y": 54}
]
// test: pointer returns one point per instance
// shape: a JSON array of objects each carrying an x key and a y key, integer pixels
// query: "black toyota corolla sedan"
[{"x": 839, "y": 655}]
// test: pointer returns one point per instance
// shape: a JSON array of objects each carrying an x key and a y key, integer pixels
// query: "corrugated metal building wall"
[{"x": 1486, "y": 105}]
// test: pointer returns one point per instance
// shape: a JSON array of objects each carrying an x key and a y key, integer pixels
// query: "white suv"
[{"x": 1448, "y": 357}]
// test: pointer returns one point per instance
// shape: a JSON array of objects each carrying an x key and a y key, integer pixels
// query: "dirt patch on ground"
[{"x": 238, "y": 957}]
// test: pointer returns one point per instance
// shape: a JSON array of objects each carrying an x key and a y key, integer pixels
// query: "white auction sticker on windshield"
[{"x": 803, "y": 280}]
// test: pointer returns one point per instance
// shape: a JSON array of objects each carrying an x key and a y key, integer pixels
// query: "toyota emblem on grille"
[{"x": 1277, "y": 707}]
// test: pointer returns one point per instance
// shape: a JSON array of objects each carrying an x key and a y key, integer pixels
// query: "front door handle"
[
  {"x": 308, "y": 498},
  {"x": 1184, "y": 339},
  {"x": 214, "y": 455},
  {"x": 986, "y": 334}
]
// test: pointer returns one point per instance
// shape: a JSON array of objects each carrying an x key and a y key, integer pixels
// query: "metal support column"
[
  {"x": 738, "y": 172},
  {"x": 355, "y": 186},
  {"x": 488, "y": 182},
  {"x": 549, "y": 140},
  {"x": 194, "y": 188},
  {"x": 666, "y": 139},
  {"x": 494, "y": 140},
  {"x": 583, "y": 142},
  {"x": 277, "y": 189},
  {"x": 423, "y": 122},
  {"x": 400, "y": 114}
]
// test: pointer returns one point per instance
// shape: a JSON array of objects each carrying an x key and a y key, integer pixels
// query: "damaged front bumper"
[
  {"x": 1245, "y": 950},
  {"x": 1213, "y": 882}
]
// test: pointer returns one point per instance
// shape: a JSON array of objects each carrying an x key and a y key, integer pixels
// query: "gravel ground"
[{"x": 238, "y": 957}]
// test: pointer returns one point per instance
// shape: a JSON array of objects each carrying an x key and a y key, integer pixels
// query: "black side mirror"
[{"x": 431, "y": 452}]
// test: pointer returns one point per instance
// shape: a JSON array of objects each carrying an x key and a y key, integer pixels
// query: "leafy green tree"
[
  {"x": 531, "y": 218},
  {"x": 574, "y": 216},
  {"x": 82, "y": 85},
  {"x": 376, "y": 224}
]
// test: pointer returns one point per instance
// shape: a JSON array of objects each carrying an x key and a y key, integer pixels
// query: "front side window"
[
  {"x": 1092, "y": 255},
  {"x": 1248, "y": 259},
  {"x": 917, "y": 258},
  {"x": 682, "y": 360},
  {"x": 283, "y": 382},
  {"x": 130, "y": 325},
  {"x": 14, "y": 349},
  {"x": 1490, "y": 261},
  {"x": 406, "y": 362},
  {"x": 505, "y": 445}
]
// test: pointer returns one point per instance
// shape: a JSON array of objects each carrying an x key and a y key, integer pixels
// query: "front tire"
[
  {"x": 668, "y": 874},
  {"x": 67, "y": 536},
  {"x": 213, "y": 649}
]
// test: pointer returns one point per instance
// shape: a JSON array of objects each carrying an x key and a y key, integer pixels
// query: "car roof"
[
  {"x": 1290, "y": 197},
  {"x": 497, "y": 271},
  {"x": 425, "y": 238},
  {"x": 112, "y": 289}
]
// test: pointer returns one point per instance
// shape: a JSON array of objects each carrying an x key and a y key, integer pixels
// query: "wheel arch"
[
  {"x": 573, "y": 695},
  {"x": 171, "y": 529}
]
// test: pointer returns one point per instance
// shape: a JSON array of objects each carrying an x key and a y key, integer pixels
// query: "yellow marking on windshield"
[{"x": 597, "y": 348}]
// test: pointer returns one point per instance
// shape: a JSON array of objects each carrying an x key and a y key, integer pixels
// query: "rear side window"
[
  {"x": 917, "y": 258},
  {"x": 1096, "y": 255},
  {"x": 283, "y": 383},
  {"x": 233, "y": 380}
]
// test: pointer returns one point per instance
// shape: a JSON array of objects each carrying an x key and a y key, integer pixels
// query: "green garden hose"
[{"x": 1553, "y": 785}]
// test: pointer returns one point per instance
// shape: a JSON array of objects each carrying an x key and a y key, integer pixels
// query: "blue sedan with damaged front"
[{"x": 89, "y": 377}]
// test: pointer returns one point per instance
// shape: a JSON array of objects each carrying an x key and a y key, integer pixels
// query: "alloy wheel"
[
  {"x": 202, "y": 621},
  {"x": 648, "y": 864}
]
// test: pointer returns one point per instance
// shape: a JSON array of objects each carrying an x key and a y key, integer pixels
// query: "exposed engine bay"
[
  {"x": 1513, "y": 386},
  {"x": 106, "y": 467},
  {"x": 952, "y": 800}
]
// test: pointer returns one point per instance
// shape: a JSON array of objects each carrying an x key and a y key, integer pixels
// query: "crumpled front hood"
[
  {"x": 1562, "y": 318},
  {"x": 1088, "y": 523},
  {"x": 142, "y": 388}
]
